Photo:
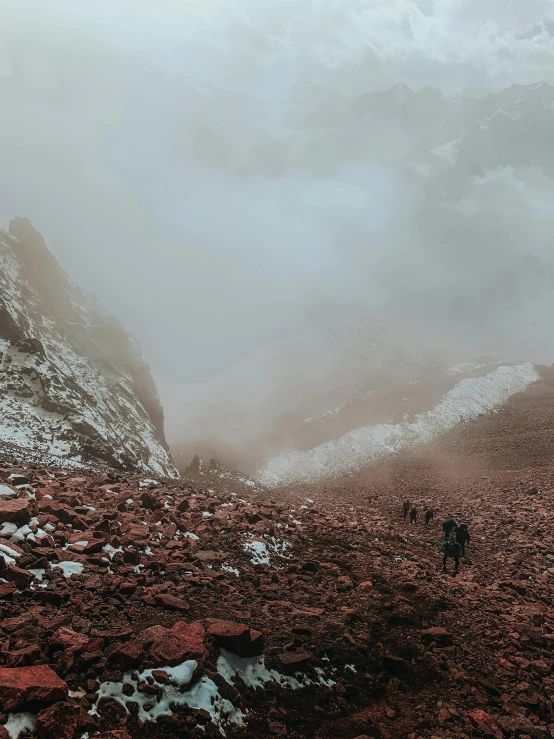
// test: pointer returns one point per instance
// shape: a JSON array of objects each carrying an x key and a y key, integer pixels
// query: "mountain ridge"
[{"x": 74, "y": 388}]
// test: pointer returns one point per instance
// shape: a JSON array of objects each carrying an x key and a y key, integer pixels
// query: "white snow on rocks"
[
  {"x": 254, "y": 673},
  {"x": 69, "y": 568},
  {"x": 68, "y": 384},
  {"x": 259, "y": 549},
  {"x": 10, "y": 555},
  {"x": 202, "y": 695},
  {"x": 19, "y": 722},
  {"x": 468, "y": 399}
]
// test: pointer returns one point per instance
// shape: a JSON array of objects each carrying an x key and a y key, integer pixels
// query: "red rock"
[
  {"x": 7, "y": 589},
  {"x": 293, "y": 660},
  {"x": 182, "y": 642},
  {"x": 69, "y": 639},
  {"x": 237, "y": 638},
  {"x": 115, "y": 734},
  {"x": 21, "y": 578},
  {"x": 15, "y": 511},
  {"x": 149, "y": 501},
  {"x": 151, "y": 635},
  {"x": 484, "y": 722},
  {"x": 170, "y": 602},
  {"x": 21, "y": 685},
  {"x": 22, "y": 657},
  {"x": 62, "y": 721},
  {"x": 127, "y": 587},
  {"x": 127, "y": 655},
  {"x": 12, "y": 546}
]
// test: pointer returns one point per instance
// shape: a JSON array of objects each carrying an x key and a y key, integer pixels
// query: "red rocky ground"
[{"x": 358, "y": 594}]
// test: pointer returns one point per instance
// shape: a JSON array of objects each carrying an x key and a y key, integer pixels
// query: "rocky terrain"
[
  {"x": 74, "y": 390},
  {"x": 137, "y": 607}
]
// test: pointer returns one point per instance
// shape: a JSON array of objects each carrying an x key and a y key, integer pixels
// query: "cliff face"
[{"x": 74, "y": 390}]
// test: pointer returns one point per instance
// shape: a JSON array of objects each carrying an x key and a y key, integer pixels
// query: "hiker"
[
  {"x": 451, "y": 550},
  {"x": 462, "y": 537},
  {"x": 413, "y": 515},
  {"x": 406, "y": 507},
  {"x": 448, "y": 527},
  {"x": 429, "y": 514}
]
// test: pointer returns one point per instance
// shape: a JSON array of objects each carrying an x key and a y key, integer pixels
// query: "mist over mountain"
[{"x": 228, "y": 172}]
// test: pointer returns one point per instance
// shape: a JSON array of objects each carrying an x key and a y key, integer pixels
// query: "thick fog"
[{"x": 220, "y": 175}]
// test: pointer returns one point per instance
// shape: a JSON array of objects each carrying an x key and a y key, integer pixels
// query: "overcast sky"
[{"x": 200, "y": 262}]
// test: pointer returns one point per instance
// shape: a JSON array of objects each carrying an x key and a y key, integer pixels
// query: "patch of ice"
[
  {"x": 129, "y": 501},
  {"x": 69, "y": 568},
  {"x": 17, "y": 723},
  {"x": 207, "y": 514},
  {"x": 5, "y": 490},
  {"x": 190, "y": 535},
  {"x": 468, "y": 399}
]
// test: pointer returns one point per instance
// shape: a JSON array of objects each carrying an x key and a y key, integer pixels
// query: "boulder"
[
  {"x": 182, "y": 642},
  {"x": 21, "y": 685},
  {"x": 15, "y": 511},
  {"x": 237, "y": 638},
  {"x": 62, "y": 721}
]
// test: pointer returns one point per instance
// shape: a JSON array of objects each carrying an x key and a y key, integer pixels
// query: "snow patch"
[
  {"x": 19, "y": 722},
  {"x": 203, "y": 695},
  {"x": 69, "y": 568}
]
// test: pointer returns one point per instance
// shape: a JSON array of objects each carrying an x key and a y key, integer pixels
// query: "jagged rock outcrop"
[{"x": 74, "y": 390}]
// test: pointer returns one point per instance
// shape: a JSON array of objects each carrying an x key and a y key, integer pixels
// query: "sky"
[{"x": 128, "y": 134}]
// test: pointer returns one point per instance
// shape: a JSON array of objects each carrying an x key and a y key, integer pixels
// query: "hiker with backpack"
[
  {"x": 429, "y": 514},
  {"x": 462, "y": 537},
  {"x": 413, "y": 515},
  {"x": 406, "y": 507},
  {"x": 448, "y": 527},
  {"x": 451, "y": 550}
]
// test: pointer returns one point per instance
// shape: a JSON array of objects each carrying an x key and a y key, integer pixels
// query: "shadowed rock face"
[{"x": 73, "y": 387}]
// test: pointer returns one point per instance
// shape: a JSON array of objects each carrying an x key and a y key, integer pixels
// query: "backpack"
[{"x": 451, "y": 549}]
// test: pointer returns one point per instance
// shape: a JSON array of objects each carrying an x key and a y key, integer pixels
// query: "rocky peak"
[{"x": 73, "y": 387}]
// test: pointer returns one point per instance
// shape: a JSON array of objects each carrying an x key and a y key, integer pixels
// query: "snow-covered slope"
[
  {"x": 468, "y": 399},
  {"x": 74, "y": 390}
]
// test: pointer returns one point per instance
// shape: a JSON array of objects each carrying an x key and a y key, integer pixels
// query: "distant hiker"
[
  {"x": 451, "y": 550},
  {"x": 413, "y": 515},
  {"x": 448, "y": 527},
  {"x": 429, "y": 514},
  {"x": 406, "y": 507},
  {"x": 462, "y": 537}
]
